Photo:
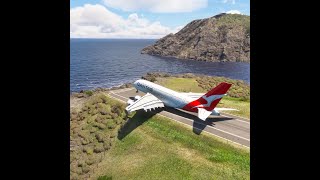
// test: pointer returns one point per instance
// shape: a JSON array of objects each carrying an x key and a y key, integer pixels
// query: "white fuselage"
[{"x": 167, "y": 96}]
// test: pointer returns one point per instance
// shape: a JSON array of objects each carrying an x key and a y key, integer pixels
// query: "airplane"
[{"x": 158, "y": 96}]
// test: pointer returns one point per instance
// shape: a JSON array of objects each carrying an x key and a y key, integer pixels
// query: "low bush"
[
  {"x": 107, "y": 145},
  {"x": 88, "y": 92},
  {"x": 104, "y": 178},
  {"x": 91, "y": 160},
  {"x": 88, "y": 150},
  {"x": 85, "y": 169},
  {"x": 90, "y": 134},
  {"x": 98, "y": 148},
  {"x": 81, "y": 163},
  {"x": 100, "y": 136}
]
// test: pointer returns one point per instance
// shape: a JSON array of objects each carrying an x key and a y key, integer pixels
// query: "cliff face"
[{"x": 224, "y": 37}]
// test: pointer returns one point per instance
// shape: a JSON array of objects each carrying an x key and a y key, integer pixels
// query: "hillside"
[{"x": 224, "y": 37}]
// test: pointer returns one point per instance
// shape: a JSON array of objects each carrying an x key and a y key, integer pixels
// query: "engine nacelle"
[
  {"x": 130, "y": 101},
  {"x": 137, "y": 97}
]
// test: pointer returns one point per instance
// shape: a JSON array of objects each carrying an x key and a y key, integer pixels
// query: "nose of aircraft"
[{"x": 135, "y": 83}]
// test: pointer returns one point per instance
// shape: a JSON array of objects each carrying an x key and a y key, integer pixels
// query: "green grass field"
[
  {"x": 153, "y": 147},
  {"x": 180, "y": 84},
  {"x": 192, "y": 85}
]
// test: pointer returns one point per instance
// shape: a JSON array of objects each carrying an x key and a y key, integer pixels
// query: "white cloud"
[
  {"x": 229, "y": 1},
  {"x": 96, "y": 21},
  {"x": 157, "y": 6},
  {"x": 233, "y": 12}
]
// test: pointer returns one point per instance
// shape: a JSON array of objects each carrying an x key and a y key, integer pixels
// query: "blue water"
[{"x": 110, "y": 62}]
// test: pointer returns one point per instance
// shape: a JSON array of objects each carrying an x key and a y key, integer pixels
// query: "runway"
[{"x": 228, "y": 127}]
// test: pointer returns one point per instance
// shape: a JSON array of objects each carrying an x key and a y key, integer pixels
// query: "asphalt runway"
[{"x": 228, "y": 127}]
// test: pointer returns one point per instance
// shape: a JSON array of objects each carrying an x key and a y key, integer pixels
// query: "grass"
[
  {"x": 237, "y": 98},
  {"x": 162, "y": 149},
  {"x": 242, "y": 106},
  {"x": 180, "y": 84},
  {"x": 235, "y": 20}
]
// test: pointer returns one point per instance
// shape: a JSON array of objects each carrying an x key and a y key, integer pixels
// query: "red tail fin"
[
  {"x": 210, "y": 100},
  {"x": 222, "y": 88}
]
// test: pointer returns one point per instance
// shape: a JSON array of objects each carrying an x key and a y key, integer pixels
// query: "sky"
[{"x": 143, "y": 19}]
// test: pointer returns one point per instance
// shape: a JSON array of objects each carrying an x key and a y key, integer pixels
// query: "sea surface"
[{"x": 112, "y": 62}]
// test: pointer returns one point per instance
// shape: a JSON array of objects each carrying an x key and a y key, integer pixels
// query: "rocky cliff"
[{"x": 224, "y": 37}]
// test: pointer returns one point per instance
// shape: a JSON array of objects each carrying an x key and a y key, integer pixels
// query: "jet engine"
[
  {"x": 137, "y": 97},
  {"x": 130, "y": 101}
]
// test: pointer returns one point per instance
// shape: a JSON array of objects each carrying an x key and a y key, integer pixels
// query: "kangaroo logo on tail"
[{"x": 210, "y": 100}]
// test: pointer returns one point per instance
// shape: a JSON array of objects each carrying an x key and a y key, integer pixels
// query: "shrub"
[
  {"x": 88, "y": 150},
  {"x": 100, "y": 125},
  {"x": 73, "y": 125},
  {"x": 88, "y": 92},
  {"x": 81, "y": 163},
  {"x": 85, "y": 141},
  {"x": 73, "y": 157},
  {"x": 84, "y": 133},
  {"x": 78, "y": 170},
  {"x": 118, "y": 121},
  {"x": 114, "y": 115},
  {"x": 99, "y": 136},
  {"x": 111, "y": 125},
  {"x": 106, "y": 145},
  {"x": 105, "y": 121},
  {"x": 112, "y": 135},
  {"x": 104, "y": 178},
  {"x": 98, "y": 148},
  {"x": 74, "y": 176},
  {"x": 103, "y": 111},
  {"x": 97, "y": 99},
  {"x": 85, "y": 108},
  {"x": 85, "y": 169},
  {"x": 92, "y": 129},
  {"x": 93, "y": 111},
  {"x": 104, "y": 99},
  {"x": 73, "y": 111},
  {"x": 98, "y": 119},
  {"x": 91, "y": 160},
  {"x": 166, "y": 75},
  {"x": 153, "y": 79}
]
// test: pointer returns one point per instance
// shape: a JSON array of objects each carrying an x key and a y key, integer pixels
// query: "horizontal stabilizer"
[
  {"x": 203, "y": 114},
  {"x": 225, "y": 109}
]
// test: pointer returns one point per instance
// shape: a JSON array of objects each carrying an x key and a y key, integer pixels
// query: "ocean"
[{"x": 111, "y": 62}]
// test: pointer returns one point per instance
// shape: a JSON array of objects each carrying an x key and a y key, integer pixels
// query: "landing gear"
[{"x": 137, "y": 91}]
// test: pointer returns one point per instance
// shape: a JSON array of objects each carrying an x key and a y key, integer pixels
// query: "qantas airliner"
[{"x": 158, "y": 96}]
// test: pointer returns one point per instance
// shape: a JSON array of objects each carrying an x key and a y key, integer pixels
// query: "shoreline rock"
[{"x": 221, "y": 38}]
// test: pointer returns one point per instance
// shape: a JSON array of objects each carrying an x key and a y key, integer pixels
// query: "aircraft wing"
[{"x": 146, "y": 102}]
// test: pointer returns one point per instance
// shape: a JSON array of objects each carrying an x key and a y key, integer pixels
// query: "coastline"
[{"x": 150, "y": 76}]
